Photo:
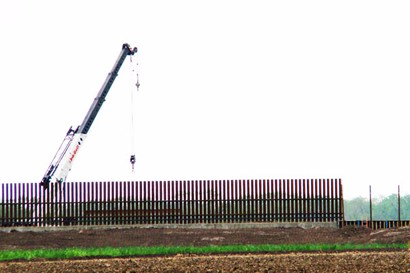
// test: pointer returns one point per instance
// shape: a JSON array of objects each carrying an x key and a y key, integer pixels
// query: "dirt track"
[{"x": 397, "y": 261}]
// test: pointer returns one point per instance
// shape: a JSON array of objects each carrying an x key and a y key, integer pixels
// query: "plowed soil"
[{"x": 373, "y": 261}]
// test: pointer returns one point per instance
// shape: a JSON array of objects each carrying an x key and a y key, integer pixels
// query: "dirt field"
[
  {"x": 386, "y": 261},
  {"x": 292, "y": 262}
]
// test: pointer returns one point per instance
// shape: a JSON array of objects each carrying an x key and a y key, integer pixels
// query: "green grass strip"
[{"x": 69, "y": 253}]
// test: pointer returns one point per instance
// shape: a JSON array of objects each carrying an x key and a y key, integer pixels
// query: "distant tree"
[
  {"x": 385, "y": 208},
  {"x": 405, "y": 207},
  {"x": 356, "y": 209}
]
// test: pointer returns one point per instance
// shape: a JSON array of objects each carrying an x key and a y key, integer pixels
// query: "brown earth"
[
  {"x": 386, "y": 261},
  {"x": 291, "y": 262},
  {"x": 133, "y": 236}
]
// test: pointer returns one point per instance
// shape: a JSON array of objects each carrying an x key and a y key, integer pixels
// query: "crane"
[{"x": 62, "y": 162}]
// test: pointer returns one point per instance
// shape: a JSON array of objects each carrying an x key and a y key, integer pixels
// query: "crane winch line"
[{"x": 132, "y": 157}]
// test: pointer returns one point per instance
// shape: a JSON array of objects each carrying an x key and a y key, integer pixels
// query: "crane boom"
[
  {"x": 61, "y": 164},
  {"x": 98, "y": 101}
]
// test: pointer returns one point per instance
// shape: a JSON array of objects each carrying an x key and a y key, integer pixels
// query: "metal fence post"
[
  {"x": 370, "y": 200},
  {"x": 398, "y": 202}
]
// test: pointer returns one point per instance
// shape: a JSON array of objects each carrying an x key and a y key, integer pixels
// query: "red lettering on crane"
[{"x": 74, "y": 152}]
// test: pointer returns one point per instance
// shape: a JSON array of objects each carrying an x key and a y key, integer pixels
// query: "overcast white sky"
[{"x": 229, "y": 90}]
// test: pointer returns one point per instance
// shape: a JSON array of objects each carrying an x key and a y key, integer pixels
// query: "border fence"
[
  {"x": 375, "y": 224},
  {"x": 172, "y": 202}
]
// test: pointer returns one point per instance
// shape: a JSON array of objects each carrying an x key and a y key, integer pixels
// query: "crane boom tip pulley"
[{"x": 131, "y": 51}]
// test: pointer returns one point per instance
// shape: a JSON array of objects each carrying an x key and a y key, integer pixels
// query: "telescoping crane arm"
[{"x": 61, "y": 164}]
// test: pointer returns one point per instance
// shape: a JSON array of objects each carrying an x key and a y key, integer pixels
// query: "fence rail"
[{"x": 172, "y": 202}]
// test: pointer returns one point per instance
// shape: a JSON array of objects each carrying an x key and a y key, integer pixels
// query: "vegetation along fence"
[{"x": 172, "y": 202}]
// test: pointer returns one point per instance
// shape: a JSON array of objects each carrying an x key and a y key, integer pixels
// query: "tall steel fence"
[{"x": 172, "y": 202}]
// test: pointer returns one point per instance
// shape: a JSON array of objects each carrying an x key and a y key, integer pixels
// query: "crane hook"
[
  {"x": 138, "y": 83},
  {"x": 132, "y": 160}
]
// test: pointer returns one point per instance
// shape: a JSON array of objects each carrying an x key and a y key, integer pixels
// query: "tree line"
[{"x": 383, "y": 208}]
